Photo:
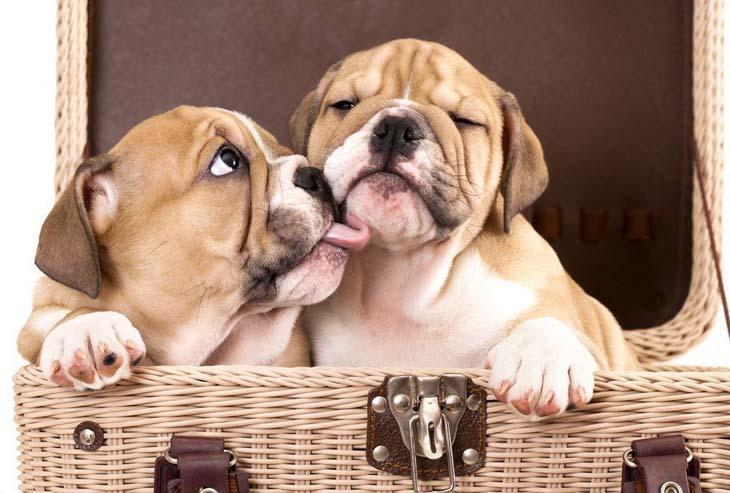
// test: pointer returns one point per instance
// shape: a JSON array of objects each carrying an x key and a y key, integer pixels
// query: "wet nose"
[
  {"x": 396, "y": 134},
  {"x": 312, "y": 180}
]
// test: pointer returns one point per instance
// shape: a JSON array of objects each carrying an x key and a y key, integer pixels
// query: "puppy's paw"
[
  {"x": 91, "y": 351},
  {"x": 541, "y": 369}
]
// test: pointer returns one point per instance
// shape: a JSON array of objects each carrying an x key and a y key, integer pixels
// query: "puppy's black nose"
[
  {"x": 396, "y": 134},
  {"x": 310, "y": 179}
]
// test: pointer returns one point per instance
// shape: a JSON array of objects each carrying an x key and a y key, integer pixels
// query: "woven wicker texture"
[
  {"x": 71, "y": 88},
  {"x": 304, "y": 430},
  {"x": 698, "y": 313}
]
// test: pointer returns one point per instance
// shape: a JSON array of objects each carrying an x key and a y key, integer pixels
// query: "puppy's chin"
[
  {"x": 314, "y": 278},
  {"x": 397, "y": 216}
]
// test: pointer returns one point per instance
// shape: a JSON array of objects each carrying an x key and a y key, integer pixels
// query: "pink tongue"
[{"x": 354, "y": 235}]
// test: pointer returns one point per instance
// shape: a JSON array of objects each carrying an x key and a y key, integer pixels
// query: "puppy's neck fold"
[{"x": 415, "y": 277}]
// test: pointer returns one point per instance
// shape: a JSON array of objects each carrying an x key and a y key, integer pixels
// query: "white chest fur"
[{"x": 414, "y": 311}]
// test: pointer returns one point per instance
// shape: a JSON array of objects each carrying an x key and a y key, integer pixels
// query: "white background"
[{"x": 27, "y": 107}]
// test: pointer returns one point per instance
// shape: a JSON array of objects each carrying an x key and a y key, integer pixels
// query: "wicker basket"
[{"x": 304, "y": 429}]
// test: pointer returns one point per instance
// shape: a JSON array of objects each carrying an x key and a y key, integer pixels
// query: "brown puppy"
[
  {"x": 195, "y": 240},
  {"x": 432, "y": 163}
]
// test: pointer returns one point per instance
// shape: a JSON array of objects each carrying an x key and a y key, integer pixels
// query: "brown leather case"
[{"x": 606, "y": 85}]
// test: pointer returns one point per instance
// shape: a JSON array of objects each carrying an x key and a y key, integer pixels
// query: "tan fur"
[
  {"x": 525, "y": 257},
  {"x": 176, "y": 257},
  {"x": 297, "y": 352},
  {"x": 415, "y": 287}
]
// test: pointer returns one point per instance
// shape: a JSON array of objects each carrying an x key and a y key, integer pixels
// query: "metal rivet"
[
  {"x": 207, "y": 490},
  {"x": 470, "y": 456},
  {"x": 670, "y": 487},
  {"x": 379, "y": 404},
  {"x": 453, "y": 403},
  {"x": 87, "y": 436},
  {"x": 401, "y": 403},
  {"x": 380, "y": 453},
  {"x": 473, "y": 402}
]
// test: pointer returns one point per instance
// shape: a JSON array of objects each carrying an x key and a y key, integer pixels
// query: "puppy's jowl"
[
  {"x": 431, "y": 163},
  {"x": 194, "y": 240}
]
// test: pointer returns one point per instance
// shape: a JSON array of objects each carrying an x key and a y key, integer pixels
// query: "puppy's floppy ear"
[
  {"x": 301, "y": 122},
  {"x": 525, "y": 174},
  {"x": 67, "y": 249}
]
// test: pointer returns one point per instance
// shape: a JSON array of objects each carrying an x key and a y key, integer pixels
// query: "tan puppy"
[
  {"x": 196, "y": 239},
  {"x": 432, "y": 163}
]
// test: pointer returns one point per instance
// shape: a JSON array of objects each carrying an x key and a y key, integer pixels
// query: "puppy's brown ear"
[
  {"x": 67, "y": 249},
  {"x": 525, "y": 174},
  {"x": 302, "y": 121}
]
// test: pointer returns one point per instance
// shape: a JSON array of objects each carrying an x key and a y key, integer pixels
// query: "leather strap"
[
  {"x": 593, "y": 224},
  {"x": 203, "y": 470},
  {"x": 180, "y": 445},
  {"x": 547, "y": 222},
  {"x": 201, "y": 463},
  {"x": 660, "y": 462},
  {"x": 638, "y": 224},
  {"x": 236, "y": 482},
  {"x": 700, "y": 167}
]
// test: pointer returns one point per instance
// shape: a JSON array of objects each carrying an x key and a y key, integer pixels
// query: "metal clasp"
[{"x": 428, "y": 411}]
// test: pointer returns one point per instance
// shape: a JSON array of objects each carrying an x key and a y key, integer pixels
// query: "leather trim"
[
  {"x": 180, "y": 445},
  {"x": 660, "y": 460},
  {"x": 547, "y": 221},
  {"x": 236, "y": 482},
  {"x": 382, "y": 429},
  {"x": 201, "y": 462}
]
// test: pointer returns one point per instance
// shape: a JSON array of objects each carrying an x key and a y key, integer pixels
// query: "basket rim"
[{"x": 296, "y": 377}]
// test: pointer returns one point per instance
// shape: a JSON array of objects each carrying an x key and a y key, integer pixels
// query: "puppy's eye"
[
  {"x": 226, "y": 160},
  {"x": 344, "y": 105},
  {"x": 460, "y": 120}
]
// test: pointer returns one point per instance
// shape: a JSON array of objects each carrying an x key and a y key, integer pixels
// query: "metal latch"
[
  {"x": 428, "y": 411},
  {"x": 427, "y": 427}
]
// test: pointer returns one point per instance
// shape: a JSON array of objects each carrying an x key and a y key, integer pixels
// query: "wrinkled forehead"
[
  {"x": 174, "y": 147},
  {"x": 263, "y": 140},
  {"x": 186, "y": 127},
  {"x": 407, "y": 69}
]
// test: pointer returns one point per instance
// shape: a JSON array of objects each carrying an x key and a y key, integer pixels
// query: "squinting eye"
[
  {"x": 460, "y": 120},
  {"x": 344, "y": 105},
  {"x": 226, "y": 160}
]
